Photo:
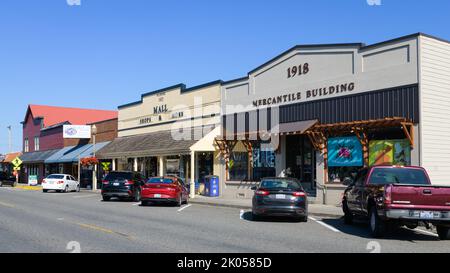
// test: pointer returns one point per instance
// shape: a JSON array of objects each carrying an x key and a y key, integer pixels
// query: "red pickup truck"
[{"x": 392, "y": 196}]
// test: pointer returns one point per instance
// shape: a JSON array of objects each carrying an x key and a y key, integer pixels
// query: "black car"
[
  {"x": 280, "y": 197},
  {"x": 123, "y": 185},
  {"x": 6, "y": 179}
]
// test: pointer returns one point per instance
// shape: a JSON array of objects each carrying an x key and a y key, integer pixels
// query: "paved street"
[{"x": 32, "y": 221}]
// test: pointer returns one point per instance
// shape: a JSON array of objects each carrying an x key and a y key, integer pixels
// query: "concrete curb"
[{"x": 211, "y": 204}]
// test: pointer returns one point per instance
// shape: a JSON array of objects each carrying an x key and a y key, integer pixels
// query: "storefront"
[
  {"x": 169, "y": 132},
  {"x": 34, "y": 165},
  {"x": 320, "y": 112}
]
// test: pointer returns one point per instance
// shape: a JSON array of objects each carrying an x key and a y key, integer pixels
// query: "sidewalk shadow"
[{"x": 361, "y": 229}]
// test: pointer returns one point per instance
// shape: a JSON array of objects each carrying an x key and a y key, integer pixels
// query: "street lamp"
[{"x": 94, "y": 171}]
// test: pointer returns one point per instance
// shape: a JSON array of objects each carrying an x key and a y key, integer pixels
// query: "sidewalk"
[{"x": 314, "y": 209}]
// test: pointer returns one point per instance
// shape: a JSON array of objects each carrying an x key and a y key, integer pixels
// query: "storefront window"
[
  {"x": 238, "y": 166},
  {"x": 263, "y": 162}
]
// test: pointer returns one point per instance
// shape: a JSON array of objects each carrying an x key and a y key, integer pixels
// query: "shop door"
[{"x": 300, "y": 159}]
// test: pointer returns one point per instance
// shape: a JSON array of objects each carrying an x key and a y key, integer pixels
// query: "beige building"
[{"x": 170, "y": 131}]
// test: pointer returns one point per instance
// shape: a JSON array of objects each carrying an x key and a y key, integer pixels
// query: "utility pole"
[{"x": 9, "y": 139}]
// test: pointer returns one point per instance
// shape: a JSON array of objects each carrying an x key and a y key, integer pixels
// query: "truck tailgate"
[{"x": 421, "y": 196}]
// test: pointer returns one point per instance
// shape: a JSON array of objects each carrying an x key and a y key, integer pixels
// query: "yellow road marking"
[
  {"x": 105, "y": 230},
  {"x": 7, "y": 205},
  {"x": 96, "y": 228}
]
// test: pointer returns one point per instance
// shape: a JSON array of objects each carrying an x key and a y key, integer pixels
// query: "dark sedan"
[
  {"x": 280, "y": 197},
  {"x": 123, "y": 185}
]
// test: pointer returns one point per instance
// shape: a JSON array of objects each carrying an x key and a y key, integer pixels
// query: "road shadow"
[
  {"x": 159, "y": 204},
  {"x": 361, "y": 229},
  {"x": 247, "y": 216}
]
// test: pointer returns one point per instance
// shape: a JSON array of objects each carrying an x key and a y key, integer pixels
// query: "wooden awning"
[{"x": 320, "y": 132}]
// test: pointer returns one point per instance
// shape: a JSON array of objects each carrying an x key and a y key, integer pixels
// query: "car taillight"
[
  {"x": 44, "y": 181},
  {"x": 299, "y": 194},
  {"x": 262, "y": 192},
  {"x": 127, "y": 182},
  {"x": 388, "y": 194},
  {"x": 60, "y": 182},
  {"x": 104, "y": 182}
]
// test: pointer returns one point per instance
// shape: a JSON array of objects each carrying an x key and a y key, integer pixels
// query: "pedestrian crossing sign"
[{"x": 16, "y": 162}]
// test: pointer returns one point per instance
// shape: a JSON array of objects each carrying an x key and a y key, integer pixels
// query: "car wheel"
[
  {"x": 348, "y": 217},
  {"x": 78, "y": 188},
  {"x": 106, "y": 198},
  {"x": 180, "y": 201},
  {"x": 66, "y": 189},
  {"x": 377, "y": 227},
  {"x": 137, "y": 196},
  {"x": 44, "y": 190},
  {"x": 443, "y": 232}
]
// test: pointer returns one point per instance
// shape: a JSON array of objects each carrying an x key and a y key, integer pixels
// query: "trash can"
[{"x": 212, "y": 185}]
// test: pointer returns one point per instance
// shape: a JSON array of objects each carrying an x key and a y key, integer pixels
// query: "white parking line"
[
  {"x": 425, "y": 232},
  {"x": 136, "y": 204},
  {"x": 185, "y": 207},
  {"x": 325, "y": 225},
  {"x": 241, "y": 214}
]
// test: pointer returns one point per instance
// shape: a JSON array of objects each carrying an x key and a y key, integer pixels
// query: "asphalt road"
[{"x": 32, "y": 221}]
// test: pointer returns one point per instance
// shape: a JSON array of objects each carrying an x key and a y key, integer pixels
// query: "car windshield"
[
  {"x": 280, "y": 184},
  {"x": 119, "y": 176},
  {"x": 55, "y": 176},
  {"x": 381, "y": 176},
  {"x": 159, "y": 180}
]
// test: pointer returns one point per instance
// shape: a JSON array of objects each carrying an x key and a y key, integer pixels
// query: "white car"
[{"x": 60, "y": 183}]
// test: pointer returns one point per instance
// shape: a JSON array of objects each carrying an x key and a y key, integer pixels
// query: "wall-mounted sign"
[
  {"x": 145, "y": 120},
  {"x": 77, "y": 131},
  {"x": 312, "y": 93},
  {"x": 160, "y": 109},
  {"x": 345, "y": 152},
  {"x": 391, "y": 152}
]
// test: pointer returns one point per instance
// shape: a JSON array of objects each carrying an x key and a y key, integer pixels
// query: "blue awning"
[
  {"x": 90, "y": 150},
  {"x": 74, "y": 153}
]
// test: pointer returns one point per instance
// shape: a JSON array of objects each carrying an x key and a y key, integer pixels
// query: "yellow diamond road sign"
[
  {"x": 16, "y": 162},
  {"x": 16, "y": 168}
]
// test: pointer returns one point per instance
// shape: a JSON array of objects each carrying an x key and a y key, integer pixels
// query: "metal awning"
[
  {"x": 74, "y": 153},
  {"x": 161, "y": 143},
  {"x": 37, "y": 157},
  {"x": 290, "y": 128}
]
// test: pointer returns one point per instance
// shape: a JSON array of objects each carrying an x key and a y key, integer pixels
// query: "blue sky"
[{"x": 105, "y": 53}]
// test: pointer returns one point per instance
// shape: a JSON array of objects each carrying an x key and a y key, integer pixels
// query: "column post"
[{"x": 192, "y": 182}]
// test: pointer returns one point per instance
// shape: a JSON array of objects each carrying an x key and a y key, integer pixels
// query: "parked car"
[
  {"x": 280, "y": 197},
  {"x": 169, "y": 189},
  {"x": 60, "y": 183},
  {"x": 123, "y": 185},
  {"x": 6, "y": 179},
  {"x": 393, "y": 196}
]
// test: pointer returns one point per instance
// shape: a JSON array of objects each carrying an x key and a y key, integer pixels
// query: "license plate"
[
  {"x": 280, "y": 196},
  {"x": 116, "y": 184},
  {"x": 157, "y": 195},
  {"x": 51, "y": 182},
  {"x": 426, "y": 215}
]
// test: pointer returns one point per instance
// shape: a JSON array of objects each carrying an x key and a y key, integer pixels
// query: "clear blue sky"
[{"x": 105, "y": 53}]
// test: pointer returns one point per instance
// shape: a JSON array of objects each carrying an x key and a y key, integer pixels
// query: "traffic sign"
[
  {"x": 106, "y": 165},
  {"x": 17, "y": 162},
  {"x": 16, "y": 168}
]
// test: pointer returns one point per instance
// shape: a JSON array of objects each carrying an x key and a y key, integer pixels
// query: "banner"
[
  {"x": 389, "y": 152},
  {"x": 345, "y": 152},
  {"x": 77, "y": 131}
]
